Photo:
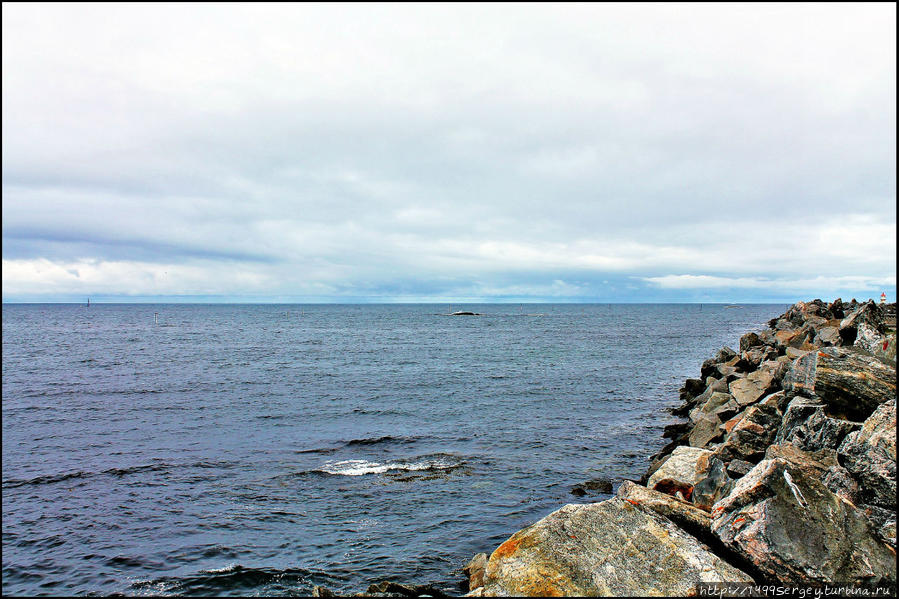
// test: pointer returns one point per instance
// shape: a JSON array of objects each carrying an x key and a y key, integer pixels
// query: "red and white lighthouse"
[{"x": 883, "y": 298}]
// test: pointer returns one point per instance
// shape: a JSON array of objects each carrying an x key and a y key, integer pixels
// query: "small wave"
[
  {"x": 120, "y": 472},
  {"x": 234, "y": 578},
  {"x": 384, "y": 439},
  {"x": 362, "y": 467}
]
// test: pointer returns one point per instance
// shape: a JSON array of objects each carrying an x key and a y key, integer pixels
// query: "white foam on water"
[{"x": 360, "y": 467}]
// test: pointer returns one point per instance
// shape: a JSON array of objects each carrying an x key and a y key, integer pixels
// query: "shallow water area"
[{"x": 264, "y": 449}]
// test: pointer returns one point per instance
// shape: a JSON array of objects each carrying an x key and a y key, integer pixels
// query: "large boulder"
[
  {"x": 687, "y": 516},
  {"x": 753, "y": 386},
  {"x": 686, "y": 465},
  {"x": 807, "y": 426},
  {"x": 794, "y": 530},
  {"x": 612, "y": 548},
  {"x": 752, "y": 434},
  {"x": 870, "y": 455},
  {"x": 851, "y": 383}
]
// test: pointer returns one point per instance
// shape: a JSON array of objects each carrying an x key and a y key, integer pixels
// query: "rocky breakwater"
[{"x": 783, "y": 471}]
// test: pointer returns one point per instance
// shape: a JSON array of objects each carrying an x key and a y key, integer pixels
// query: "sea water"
[{"x": 264, "y": 449}]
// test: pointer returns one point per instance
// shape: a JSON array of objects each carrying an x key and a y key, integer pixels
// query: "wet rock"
[
  {"x": 793, "y": 529},
  {"x": 475, "y": 571},
  {"x": 713, "y": 487},
  {"x": 686, "y": 465},
  {"x": 692, "y": 388},
  {"x": 870, "y": 456},
  {"x": 849, "y": 382},
  {"x": 320, "y": 591},
  {"x": 677, "y": 431},
  {"x": 388, "y": 588},
  {"x": 610, "y": 548},
  {"x": 806, "y": 426},
  {"x": 592, "y": 487},
  {"x": 753, "y": 387},
  {"x": 687, "y": 516}
]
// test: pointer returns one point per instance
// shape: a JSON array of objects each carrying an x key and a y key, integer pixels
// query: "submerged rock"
[
  {"x": 612, "y": 548},
  {"x": 793, "y": 529},
  {"x": 592, "y": 487}
]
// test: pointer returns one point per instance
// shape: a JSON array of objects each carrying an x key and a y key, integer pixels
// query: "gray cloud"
[{"x": 443, "y": 151}]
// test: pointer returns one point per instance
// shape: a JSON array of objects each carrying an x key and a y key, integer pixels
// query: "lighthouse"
[{"x": 883, "y": 298}]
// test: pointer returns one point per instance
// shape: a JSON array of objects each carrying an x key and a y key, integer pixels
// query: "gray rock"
[
  {"x": 686, "y": 465},
  {"x": 592, "y": 487},
  {"x": 749, "y": 340},
  {"x": 848, "y": 381},
  {"x": 806, "y": 426},
  {"x": 713, "y": 487},
  {"x": 738, "y": 468},
  {"x": 870, "y": 455},
  {"x": 753, "y": 387},
  {"x": 751, "y": 435},
  {"x": 793, "y": 529},
  {"x": 612, "y": 548}
]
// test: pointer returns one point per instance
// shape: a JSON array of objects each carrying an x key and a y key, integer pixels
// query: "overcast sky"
[{"x": 449, "y": 153}]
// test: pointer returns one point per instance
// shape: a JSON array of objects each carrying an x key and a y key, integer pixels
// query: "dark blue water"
[{"x": 260, "y": 449}]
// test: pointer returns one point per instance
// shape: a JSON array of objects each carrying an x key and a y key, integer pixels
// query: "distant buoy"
[{"x": 156, "y": 317}]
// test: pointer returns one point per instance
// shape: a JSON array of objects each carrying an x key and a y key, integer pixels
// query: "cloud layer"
[{"x": 432, "y": 152}]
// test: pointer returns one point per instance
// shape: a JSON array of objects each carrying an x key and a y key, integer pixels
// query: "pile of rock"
[{"x": 783, "y": 472}]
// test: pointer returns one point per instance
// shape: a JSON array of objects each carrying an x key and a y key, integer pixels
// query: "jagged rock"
[
  {"x": 821, "y": 464},
  {"x": 713, "y": 385},
  {"x": 687, "y": 516},
  {"x": 749, "y": 340},
  {"x": 721, "y": 405},
  {"x": 851, "y": 383},
  {"x": 609, "y": 548},
  {"x": 475, "y": 571},
  {"x": 830, "y": 333},
  {"x": 753, "y": 357},
  {"x": 884, "y": 522},
  {"x": 705, "y": 430},
  {"x": 753, "y": 386},
  {"x": 870, "y": 455},
  {"x": 677, "y": 430},
  {"x": 806, "y": 426},
  {"x": 320, "y": 591},
  {"x": 686, "y": 465},
  {"x": 738, "y": 468},
  {"x": 751, "y": 435},
  {"x": 713, "y": 487},
  {"x": 793, "y": 529},
  {"x": 692, "y": 388}
]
